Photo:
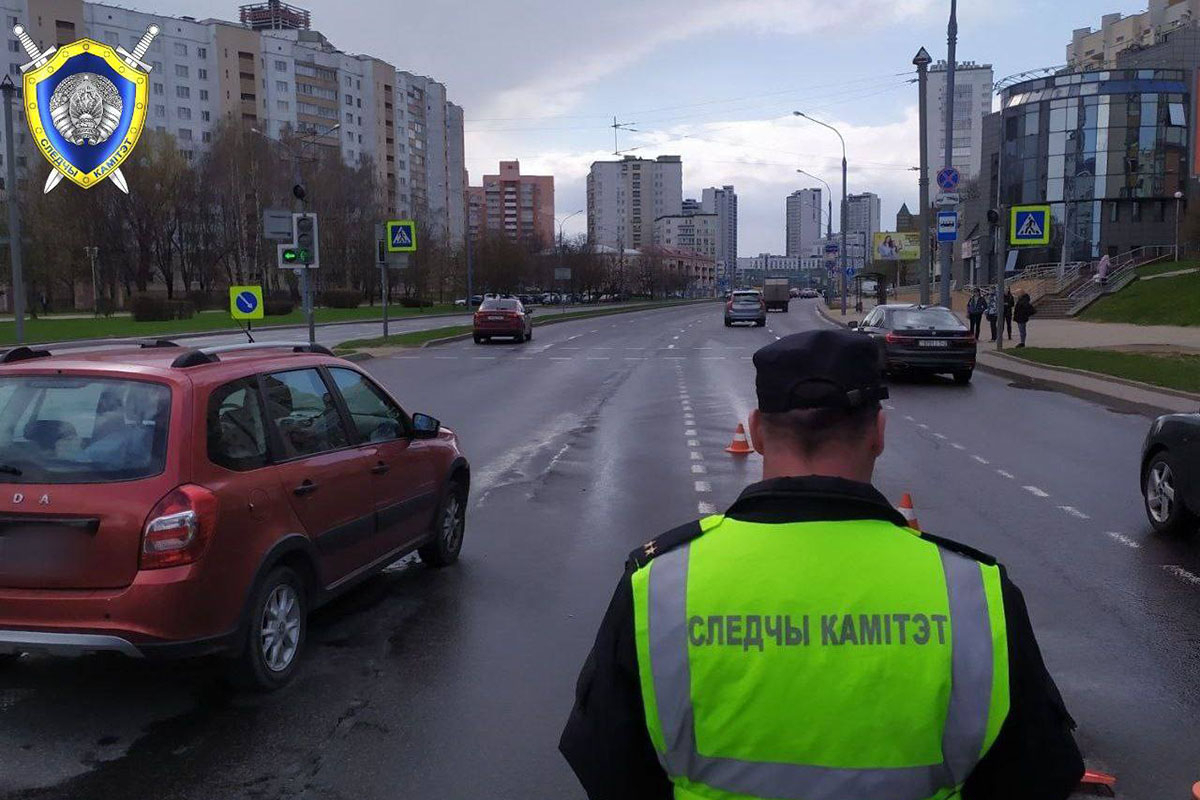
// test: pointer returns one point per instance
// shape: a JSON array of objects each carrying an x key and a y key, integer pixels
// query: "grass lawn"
[
  {"x": 1172, "y": 371},
  {"x": 61, "y": 330},
  {"x": 1165, "y": 301},
  {"x": 417, "y": 338},
  {"x": 1168, "y": 266}
]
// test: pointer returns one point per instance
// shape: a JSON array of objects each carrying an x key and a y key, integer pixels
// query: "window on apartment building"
[
  {"x": 206, "y": 116},
  {"x": 349, "y": 117},
  {"x": 349, "y": 100},
  {"x": 206, "y": 137},
  {"x": 360, "y": 120},
  {"x": 202, "y": 74},
  {"x": 160, "y": 111},
  {"x": 188, "y": 155},
  {"x": 183, "y": 112},
  {"x": 1137, "y": 211},
  {"x": 360, "y": 138},
  {"x": 158, "y": 88},
  {"x": 201, "y": 52},
  {"x": 112, "y": 37},
  {"x": 281, "y": 86},
  {"x": 283, "y": 105},
  {"x": 250, "y": 97},
  {"x": 157, "y": 65},
  {"x": 184, "y": 92},
  {"x": 280, "y": 65},
  {"x": 350, "y": 136},
  {"x": 180, "y": 49},
  {"x": 185, "y": 134},
  {"x": 349, "y": 81},
  {"x": 14, "y": 46},
  {"x": 204, "y": 94},
  {"x": 160, "y": 128},
  {"x": 14, "y": 70},
  {"x": 181, "y": 70}
]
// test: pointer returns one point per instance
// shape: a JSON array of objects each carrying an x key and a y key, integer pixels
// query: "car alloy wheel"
[
  {"x": 280, "y": 629},
  {"x": 453, "y": 522},
  {"x": 1160, "y": 492}
]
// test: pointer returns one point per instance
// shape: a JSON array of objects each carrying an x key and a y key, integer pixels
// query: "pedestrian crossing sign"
[
  {"x": 401, "y": 236},
  {"x": 1029, "y": 226}
]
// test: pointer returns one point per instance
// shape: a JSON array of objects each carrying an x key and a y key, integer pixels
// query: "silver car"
[{"x": 746, "y": 306}]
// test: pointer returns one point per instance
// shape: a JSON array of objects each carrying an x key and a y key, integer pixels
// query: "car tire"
[
  {"x": 529, "y": 336},
  {"x": 1161, "y": 495},
  {"x": 281, "y": 603},
  {"x": 762, "y": 323},
  {"x": 478, "y": 339},
  {"x": 728, "y": 324},
  {"x": 448, "y": 528},
  {"x": 963, "y": 377}
]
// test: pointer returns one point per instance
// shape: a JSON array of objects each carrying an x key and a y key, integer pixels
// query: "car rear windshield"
[
  {"x": 500, "y": 305},
  {"x": 925, "y": 319},
  {"x": 64, "y": 429},
  {"x": 746, "y": 298}
]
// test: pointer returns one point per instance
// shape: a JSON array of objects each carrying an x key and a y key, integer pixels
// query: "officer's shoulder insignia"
[
  {"x": 644, "y": 554},
  {"x": 960, "y": 548}
]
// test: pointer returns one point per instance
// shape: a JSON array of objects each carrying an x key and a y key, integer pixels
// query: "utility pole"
[
  {"x": 947, "y": 248},
  {"x": 470, "y": 270},
  {"x": 922, "y": 61},
  {"x": 92, "y": 252},
  {"x": 14, "y": 212}
]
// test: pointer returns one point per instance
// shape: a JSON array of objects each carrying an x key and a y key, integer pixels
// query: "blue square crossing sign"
[
  {"x": 401, "y": 236},
  {"x": 1029, "y": 226}
]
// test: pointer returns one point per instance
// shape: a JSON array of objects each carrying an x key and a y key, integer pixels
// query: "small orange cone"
[
  {"x": 739, "y": 446},
  {"x": 908, "y": 512}
]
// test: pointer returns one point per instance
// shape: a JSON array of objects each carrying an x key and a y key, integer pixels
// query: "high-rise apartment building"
[
  {"x": 862, "y": 222},
  {"x": 723, "y": 202},
  {"x": 803, "y": 211},
  {"x": 698, "y": 233},
  {"x": 1098, "y": 49},
  {"x": 692, "y": 206},
  {"x": 972, "y": 102},
  {"x": 519, "y": 206},
  {"x": 274, "y": 74},
  {"x": 625, "y": 197}
]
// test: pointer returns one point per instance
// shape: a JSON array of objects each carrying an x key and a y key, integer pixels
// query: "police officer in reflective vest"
[{"x": 806, "y": 644}]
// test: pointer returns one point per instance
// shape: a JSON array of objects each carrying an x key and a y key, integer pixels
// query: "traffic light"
[
  {"x": 305, "y": 248},
  {"x": 304, "y": 238},
  {"x": 296, "y": 256}
]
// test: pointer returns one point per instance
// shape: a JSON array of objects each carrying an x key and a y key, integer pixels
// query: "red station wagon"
[{"x": 165, "y": 501}]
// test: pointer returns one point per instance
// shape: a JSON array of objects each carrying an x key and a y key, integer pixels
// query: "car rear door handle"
[
  {"x": 306, "y": 488},
  {"x": 380, "y": 469}
]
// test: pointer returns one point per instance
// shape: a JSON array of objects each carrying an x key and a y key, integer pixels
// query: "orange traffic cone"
[
  {"x": 908, "y": 512},
  {"x": 1196, "y": 790},
  {"x": 739, "y": 446}
]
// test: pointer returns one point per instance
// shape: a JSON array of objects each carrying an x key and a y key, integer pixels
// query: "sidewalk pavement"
[{"x": 1076, "y": 333}]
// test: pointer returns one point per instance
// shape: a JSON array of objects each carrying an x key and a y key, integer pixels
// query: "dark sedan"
[
  {"x": 1170, "y": 474},
  {"x": 921, "y": 339}
]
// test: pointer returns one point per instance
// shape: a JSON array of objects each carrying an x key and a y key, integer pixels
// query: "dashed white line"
[
  {"x": 1074, "y": 512},
  {"x": 777, "y": 338},
  {"x": 705, "y": 508},
  {"x": 689, "y": 432},
  {"x": 1123, "y": 539},
  {"x": 712, "y": 358},
  {"x": 405, "y": 358},
  {"x": 699, "y": 469},
  {"x": 957, "y": 446},
  {"x": 910, "y": 419},
  {"x": 635, "y": 358},
  {"x": 693, "y": 442},
  {"x": 670, "y": 347},
  {"x": 922, "y": 426},
  {"x": 597, "y": 330},
  {"x": 1005, "y": 474},
  {"x": 598, "y": 358},
  {"x": 483, "y": 358},
  {"x": 445, "y": 358},
  {"x": 561, "y": 358},
  {"x": 941, "y": 436},
  {"x": 889, "y": 406},
  {"x": 703, "y": 486},
  {"x": 1182, "y": 574},
  {"x": 694, "y": 456},
  {"x": 674, "y": 338},
  {"x": 981, "y": 459},
  {"x": 1035, "y": 491}
]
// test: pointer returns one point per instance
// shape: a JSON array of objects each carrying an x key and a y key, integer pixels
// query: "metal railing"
[{"x": 1121, "y": 273}]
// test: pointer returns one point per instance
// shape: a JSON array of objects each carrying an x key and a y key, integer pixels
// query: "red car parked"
[
  {"x": 170, "y": 501},
  {"x": 503, "y": 316}
]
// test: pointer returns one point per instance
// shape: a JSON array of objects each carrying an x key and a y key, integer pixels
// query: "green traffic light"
[
  {"x": 291, "y": 256},
  {"x": 296, "y": 254}
]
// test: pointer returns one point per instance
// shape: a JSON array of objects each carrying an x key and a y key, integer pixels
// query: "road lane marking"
[
  {"x": 957, "y": 446},
  {"x": 694, "y": 456},
  {"x": 703, "y": 486},
  {"x": 406, "y": 358},
  {"x": 777, "y": 338},
  {"x": 889, "y": 406},
  {"x": 570, "y": 348},
  {"x": 690, "y": 432},
  {"x": 922, "y": 426},
  {"x": 712, "y": 358},
  {"x": 635, "y": 348},
  {"x": 1123, "y": 539},
  {"x": 705, "y": 509},
  {"x": 445, "y": 358},
  {"x": 1182, "y": 574},
  {"x": 693, "y": 442},
  {"x": 1074, "y": 512},
  {"x": 941, "y": 436},
  {"x": 635, "y": 358},
  {"x": 484, "y": 358},
  {"x": 1004, "y": 474},
  {"x": 699, "y": 469},
  {"x": 598, "y": 358},
  {"x": 670, "y": 347},
  {"x": 597, "y": 330},
  {"x": 981, "y": 460},
  {"x": 561, "y": 358},
  {"x": 1035, "y": 491},
  {"x": 676, "y": 358},
  {"x": 910, "y": 419}
]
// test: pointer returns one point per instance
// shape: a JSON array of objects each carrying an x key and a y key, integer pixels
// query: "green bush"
[
  {"x": 415, "y": 302},
  {"x": 105, "y": 306},
  {"x": 278, "y": 304},
  {"x": 155, "y": 308},
  {"x": 340, "y": 298}
]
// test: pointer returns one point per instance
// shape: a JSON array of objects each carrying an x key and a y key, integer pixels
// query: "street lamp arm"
[{"x": 825, "y": 125}]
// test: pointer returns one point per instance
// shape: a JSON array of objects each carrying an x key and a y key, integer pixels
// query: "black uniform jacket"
[{"x": 606, "y": 741}]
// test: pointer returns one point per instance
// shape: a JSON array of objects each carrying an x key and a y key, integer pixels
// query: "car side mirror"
[
  {"x": 853, "y": 325},
  {"x": 425, "y": 426}
]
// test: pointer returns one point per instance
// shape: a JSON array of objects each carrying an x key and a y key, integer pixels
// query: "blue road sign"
[
  {"x": 1029, "y": 225},
  {"x": 247, "y": 302},
  {"x": 849, "y": 272},
  {"x": 947, "y": 179},
  {"x": 947, "y": 227},
  {"x": 401, "y": 236}
]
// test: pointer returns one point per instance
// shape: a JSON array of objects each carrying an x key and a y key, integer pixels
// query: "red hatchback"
[
  {"x": 503, "y": 316},
  {"x": 165, "y": 501}
]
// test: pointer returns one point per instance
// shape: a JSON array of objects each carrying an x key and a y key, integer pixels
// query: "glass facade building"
[{"x": 1107, "y": 150}]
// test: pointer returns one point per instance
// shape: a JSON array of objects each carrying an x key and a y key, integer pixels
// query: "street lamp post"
[
  {"x": 947, "y": 248},
  {"x": 842, "y": 246},
  {"x": 1178, "y": 201},
  {"x": 14, "y": 213},
  {"x": 829, "y": 229},
  {"x": 922, "y": 61},
  {"x": 560, "y": 244}
]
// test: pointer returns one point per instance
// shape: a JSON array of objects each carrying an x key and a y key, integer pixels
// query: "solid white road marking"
[
  {"x": 705, "y": 509},
  {"x": 698, "y": 469},
  {"x": 1123, "y": 539},
  {"x": 703, "y": 486},
  {"x": 1074, "y": 512},
  {"x": 1182, "y": 574},
  {"x": 1004, "y": 474},
  {"x": 694, "y": 456},
  {"x": 981, "y": 459},
  {"x": 712, "y": 358},
  {"x": 777, "y": 338},
  {"x": 1035, "y": 491}
]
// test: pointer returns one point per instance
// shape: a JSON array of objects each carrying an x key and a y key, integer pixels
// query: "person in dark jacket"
[
  {"x": 1023, "y": 311},
  {"x": 820, "y": 428},
  {"x": 1009, "y": 302},
  {"x": 975, "y": 308},
  {"x": 992, "y": 313}
]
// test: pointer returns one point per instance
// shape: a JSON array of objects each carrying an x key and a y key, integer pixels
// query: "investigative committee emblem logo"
[{"x": 86, "y": 106}]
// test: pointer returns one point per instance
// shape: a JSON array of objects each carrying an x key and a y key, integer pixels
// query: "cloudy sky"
[{"x": 712, "y": 80}]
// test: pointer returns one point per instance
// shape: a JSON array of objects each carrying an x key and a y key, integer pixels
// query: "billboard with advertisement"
[{"x": 892, "y": 246}]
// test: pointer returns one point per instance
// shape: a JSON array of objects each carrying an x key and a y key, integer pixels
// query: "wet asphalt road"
[{"x": 456, "y": 683}]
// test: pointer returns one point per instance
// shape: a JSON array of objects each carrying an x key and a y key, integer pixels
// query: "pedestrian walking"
[
  {"x": 1009, "y": 302},
  {"x": 806, "y": 643},
  {"x": 976, "y": 305},
  {"x": 1024, "y": 310},
  {"x": 991, "y": 313},
  {"x": 1102, "y": 269}
]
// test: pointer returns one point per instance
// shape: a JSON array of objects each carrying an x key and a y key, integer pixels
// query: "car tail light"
[
  {"x": 178, "y": 529},
  {"x": 892, "y": 338}
]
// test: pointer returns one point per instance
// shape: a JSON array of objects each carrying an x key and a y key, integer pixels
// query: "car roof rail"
[
  {"x": 209, "y": 355},
  {"x": 22, "y": 354},
  {"x": 151, "y": 344}
]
